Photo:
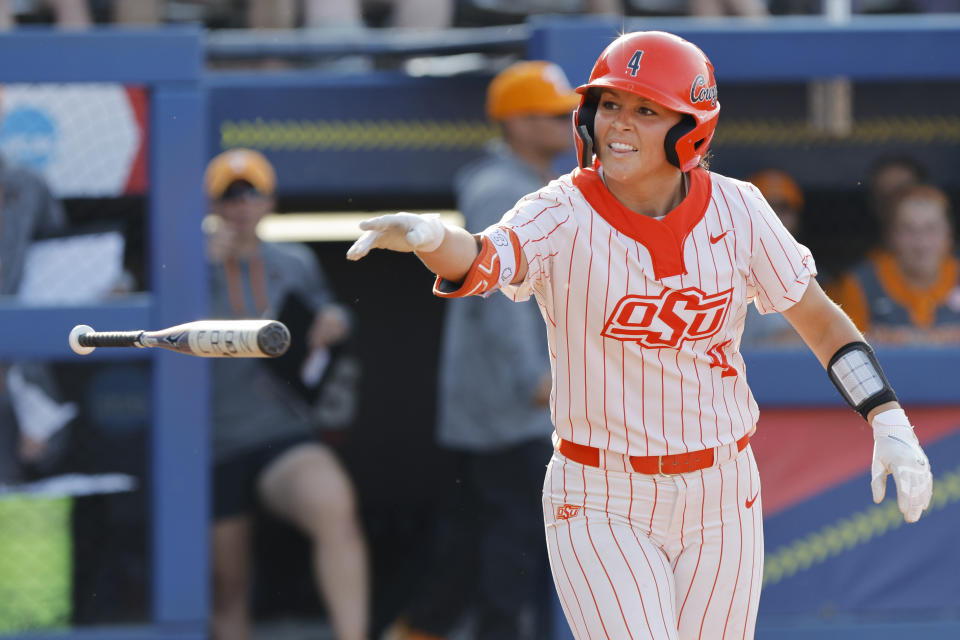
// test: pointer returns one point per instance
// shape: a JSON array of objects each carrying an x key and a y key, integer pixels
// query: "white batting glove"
[
  {"x": 897, "y": 451},
  {"x": 403, "y": 232}
]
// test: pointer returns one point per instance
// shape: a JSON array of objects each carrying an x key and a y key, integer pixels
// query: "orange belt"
[{"x": 653, "y": 465}]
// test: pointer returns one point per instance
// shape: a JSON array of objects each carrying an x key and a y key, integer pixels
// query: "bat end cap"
[
  {"x": 274, "y": 339},
  {"x": 75, "y": 333}
]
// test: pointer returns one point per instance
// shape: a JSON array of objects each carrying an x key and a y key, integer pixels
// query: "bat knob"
[
  {"x": 274, "y": 339},
  {"x": 79, "y": 330}
]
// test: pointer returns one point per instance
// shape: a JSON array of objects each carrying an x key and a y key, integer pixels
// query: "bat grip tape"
[
  {"x": 856, "y": 373},
  {"x": 111, "y": 339}
]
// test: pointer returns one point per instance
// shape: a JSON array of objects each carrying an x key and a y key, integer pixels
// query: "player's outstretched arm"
[
  {"x": 445, "y": 250},
  {"x": 854, "y": 370}
]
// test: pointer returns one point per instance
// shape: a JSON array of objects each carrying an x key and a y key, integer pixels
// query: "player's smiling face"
[{"x": 630, "y": 130}]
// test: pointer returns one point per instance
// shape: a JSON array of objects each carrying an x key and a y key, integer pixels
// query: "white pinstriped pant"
[{"x": 662, "y": 557}]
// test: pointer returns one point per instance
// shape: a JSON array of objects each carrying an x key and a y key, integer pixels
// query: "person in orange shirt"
[
  {"x": 887, "y": 175},
  {"x": 909, "y": 291}
]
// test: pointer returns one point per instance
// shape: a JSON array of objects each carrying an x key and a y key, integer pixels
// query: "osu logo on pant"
[{"x": 667, "y": 319}]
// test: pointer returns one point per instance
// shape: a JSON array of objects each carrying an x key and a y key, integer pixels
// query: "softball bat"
[{"x": 203, "y": 338}]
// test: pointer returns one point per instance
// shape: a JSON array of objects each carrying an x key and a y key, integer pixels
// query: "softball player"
[{"x": 643, "y": 263}]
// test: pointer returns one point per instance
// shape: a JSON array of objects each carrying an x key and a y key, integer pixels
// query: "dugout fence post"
[
  {"x": 181, "y": 385},
  {"x": 169, "y": 62}
]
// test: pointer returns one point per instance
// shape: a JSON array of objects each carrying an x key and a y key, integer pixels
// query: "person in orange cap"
[
  {"x": 264, "y": 441},
  {"x": 783, "y": 194},
  {"x": 532, "y": 102},
  {"x": 500, "y": 435},
  {"x": 785, "y": 197}
]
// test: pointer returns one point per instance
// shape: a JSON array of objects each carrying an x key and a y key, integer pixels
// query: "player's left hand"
[
  {"x": 404, "y": 232},
  {"x": 897, "y": 452}
]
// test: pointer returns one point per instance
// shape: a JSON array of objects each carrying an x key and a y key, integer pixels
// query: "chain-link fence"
[{"x": 73, "y": 510}]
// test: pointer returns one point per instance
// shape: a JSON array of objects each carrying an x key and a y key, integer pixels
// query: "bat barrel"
[
  {"x": 110, "y": 339},
  {"x": 274, "y": 339}
]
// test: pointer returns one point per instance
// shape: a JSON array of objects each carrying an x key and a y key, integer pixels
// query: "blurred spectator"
[
  {"x": 908, "y": 292},
  {"x": 713, "y": 8},
  {"x": 700, "y": 8},
  {"x": 264, "y": 435},
  {"x": 32, "y": 422},
  {"x": 28, "y": 211},
  {"x": 69, "y": 14},
  {"x": 603, "y": 7},
  {"x": 30, "y": 417},
  {"x": 138, "y": 12},
  {"x": 886, "y": 176},
  {"x": 287, "y": 14},
  {"x": 488, "y": 12},
  {"x": 494, "y": 389},
  {"x": 783, "y": 194},
  {"x": 866, "y": 7}
]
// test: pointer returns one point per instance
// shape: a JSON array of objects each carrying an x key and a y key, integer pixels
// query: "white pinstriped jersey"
[{"x": 644, "y": 316}]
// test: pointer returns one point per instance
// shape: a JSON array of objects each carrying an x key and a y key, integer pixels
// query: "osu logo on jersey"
[
  {"x": 667, "y": 319},
  {"x": 567, "y": 511}
]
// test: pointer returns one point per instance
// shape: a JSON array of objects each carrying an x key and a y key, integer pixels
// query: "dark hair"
[
  {"x": 883, "y": 162},
  {"x": 705, "y": 160}
]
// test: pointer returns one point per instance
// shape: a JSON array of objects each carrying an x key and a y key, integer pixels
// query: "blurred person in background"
[
  {"x": 287, "y": 14},
  {"x": 68, "y": 14},
  {"x": 80, "y": 14},
  {"x": 491, "y": 12},
  {"x": 715, "y": 8},
  {"x": 28, "y": 211},
  {"x": 698, "y": 8},
  {"x": 264, "y": 436},
  {"x": 909, "y": 291},
  {"x": 139, "y": 12},
  {"x": 494, "y": 392},
  {"x": 785, "y": 197},
  {"x": 887, "y": 175},
  {"x": 30, "y": 417}
]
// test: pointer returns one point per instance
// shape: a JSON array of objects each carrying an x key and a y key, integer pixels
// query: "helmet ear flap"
[
  {"x": 583, "y": 128},
  {"x": 682, "y": 128}
]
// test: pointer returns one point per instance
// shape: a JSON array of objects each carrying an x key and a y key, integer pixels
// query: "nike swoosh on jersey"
[
  {"x": 718, "y": 238},
  {"x": 750, "y": 501}
]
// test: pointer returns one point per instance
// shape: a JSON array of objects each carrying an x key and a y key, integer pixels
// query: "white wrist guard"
[{"x": 856, "y": 373}]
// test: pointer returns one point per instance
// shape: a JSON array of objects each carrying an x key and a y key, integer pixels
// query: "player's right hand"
[
  {"x": 897, "y": 452},
  {"x": 403, "y": 232}
]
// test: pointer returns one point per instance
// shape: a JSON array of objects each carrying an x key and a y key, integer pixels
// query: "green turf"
[{"x": 35, "y": 563}]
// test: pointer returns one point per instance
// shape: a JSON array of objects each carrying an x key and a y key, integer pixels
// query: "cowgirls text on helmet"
[{"x": 666, "y": 69}]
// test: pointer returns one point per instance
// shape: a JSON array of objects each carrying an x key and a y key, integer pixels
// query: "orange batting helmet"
[{"x": 666, "y": 69}]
